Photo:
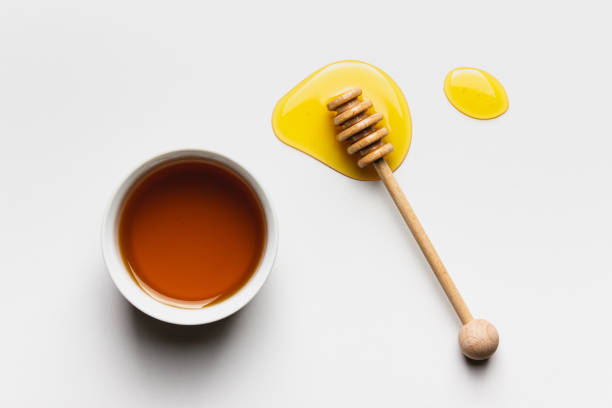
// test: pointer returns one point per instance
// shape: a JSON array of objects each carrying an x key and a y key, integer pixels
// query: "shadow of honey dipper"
[{"x": 478, "y": 338}]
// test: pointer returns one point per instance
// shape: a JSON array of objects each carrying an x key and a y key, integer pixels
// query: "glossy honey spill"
[
  {"x": 476, "y": 93},
  {"x": 301, "y": 119},
  {"x": 192, "y": 233}
]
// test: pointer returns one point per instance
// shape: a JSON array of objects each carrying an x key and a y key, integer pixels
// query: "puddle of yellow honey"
[
  {"x": 302, "y": 121},
  {"x": 475, "y": 93}
]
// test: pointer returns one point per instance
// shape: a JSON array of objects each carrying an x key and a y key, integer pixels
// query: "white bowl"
[{"x": 161, "y": 311}]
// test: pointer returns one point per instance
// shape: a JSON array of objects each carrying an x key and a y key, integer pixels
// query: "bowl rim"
[{"x": 138, "y": 297}]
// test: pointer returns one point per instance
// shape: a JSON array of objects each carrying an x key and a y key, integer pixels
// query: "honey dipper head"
[
  {"x": 478, "y": 339},
  {"x": 359, "y": 127}
]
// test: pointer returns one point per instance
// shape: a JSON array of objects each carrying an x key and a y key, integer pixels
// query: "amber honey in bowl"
[{"x": 192, "y": 233}]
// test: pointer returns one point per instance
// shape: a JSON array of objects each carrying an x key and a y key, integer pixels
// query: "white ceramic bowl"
[{"x": 136, "y": 296}]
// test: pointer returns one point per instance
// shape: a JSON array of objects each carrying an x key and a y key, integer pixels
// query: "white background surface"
[{"x": 518, "y": 207}]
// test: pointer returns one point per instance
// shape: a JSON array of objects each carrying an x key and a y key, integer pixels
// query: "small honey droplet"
[{"x": 475, "y": 93}]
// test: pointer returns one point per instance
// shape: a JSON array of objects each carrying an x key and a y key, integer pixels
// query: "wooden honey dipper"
[{"x": 478, "y": 338}]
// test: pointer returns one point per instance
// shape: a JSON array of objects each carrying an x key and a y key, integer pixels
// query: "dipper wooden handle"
[
  {"x": 478, "y": 338},
  {"x": 422, "y": 239}
]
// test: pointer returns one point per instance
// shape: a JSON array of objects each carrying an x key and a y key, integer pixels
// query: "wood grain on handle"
[{"x": 386, "y": 175}]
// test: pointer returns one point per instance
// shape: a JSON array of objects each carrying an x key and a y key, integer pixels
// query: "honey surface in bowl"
[
  {"x": 192, "y": 233},
  {"x": 301, "y": 119},
  {"x": 476, "y": 93}
]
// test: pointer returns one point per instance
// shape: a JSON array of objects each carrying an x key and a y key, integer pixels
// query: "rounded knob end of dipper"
[{"x": 478, "y": 339}]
